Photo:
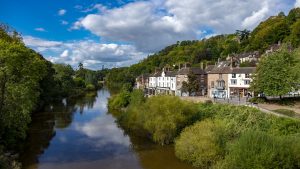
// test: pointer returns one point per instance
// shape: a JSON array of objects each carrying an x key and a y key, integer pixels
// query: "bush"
[
  {"x": 90, "y": 87},
  {"x": 119, "y": 101},
  {"x": 163, "y": 117},
  {"x": 261, "y": 150},
  {"x": 79, "y": 82},
  {"x": 240, "y": 119},
  {"x": 202, "y": 144}
]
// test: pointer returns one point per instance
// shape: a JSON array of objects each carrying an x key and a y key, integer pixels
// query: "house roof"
[
  {"x": 170, "y": 74},
  {"x": 249, "y": 54},
  {"x": 222, "y": 67},
  {"x": 195, "y": 70},
  {"x": 244, "y": 70},
  {"x": 209, "y": 68}
]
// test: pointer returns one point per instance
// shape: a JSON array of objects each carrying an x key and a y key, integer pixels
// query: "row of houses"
[{"x": 221, "y": 80}]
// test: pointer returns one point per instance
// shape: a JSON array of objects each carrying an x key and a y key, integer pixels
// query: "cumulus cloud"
[
  {"x": 297, "y": 4},
  {"x": 65, "y": 54},
  {"x": 151, "y": 25},
  {"x": 92, "y": 54},
  {"x": 62, "y": 12},
  {"x": 40, "y": 29},
  {"x": 40, "y": 44},
  {"x": 103, "y": 131}
]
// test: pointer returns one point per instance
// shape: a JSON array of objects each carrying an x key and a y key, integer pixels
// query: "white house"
[
  {"x": 239, "y": 81},
  {"x": 162, "y": 83}
]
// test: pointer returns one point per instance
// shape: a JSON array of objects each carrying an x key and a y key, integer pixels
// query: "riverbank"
[{"x": 204, "y": 134}]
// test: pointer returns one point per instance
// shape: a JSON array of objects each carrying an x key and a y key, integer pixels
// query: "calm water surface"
[{"x": 81, "y": 134}]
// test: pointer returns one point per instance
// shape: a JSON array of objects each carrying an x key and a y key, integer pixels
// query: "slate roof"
[
  {"x": 225, "y": 68},
  {"x": 195, "y": 70},
  {"x": 221, "y": 68},
  {"x": 244, "y": 70}
]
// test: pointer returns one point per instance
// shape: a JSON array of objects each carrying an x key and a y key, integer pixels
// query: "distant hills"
[{"x": 280, "y": 28}]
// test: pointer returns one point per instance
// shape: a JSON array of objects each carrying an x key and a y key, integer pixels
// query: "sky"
[{"x": 117, "y": 33}]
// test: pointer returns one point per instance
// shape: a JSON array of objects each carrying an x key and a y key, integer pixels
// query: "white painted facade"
[
  {"x": 163, "y": 83},
  {"x": 239, "y": 80},
  {"x": 238, "y": 84}
]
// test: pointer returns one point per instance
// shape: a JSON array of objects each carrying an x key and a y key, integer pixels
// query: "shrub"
[
  {"x": 261, "y": 150},
  {"x": 162, "y": 117},
  {"x": 119, "y": 101},
  {"x": 202, "y": 144},
  {"x": 137, "y": 97},
  {"x": 90, "y": 87},
  {"x": 167, "y": 116}
]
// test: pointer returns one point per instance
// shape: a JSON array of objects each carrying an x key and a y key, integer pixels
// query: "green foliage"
[
  {"x": 193, "y": 83},
  {"x": 207, "y": 142},
  {"x": 287, "y": 112},
  {"x": 276, "y": 74},
  {"x": 90, "y": 87},
  {"x": 166, "y": 116},
  {"x": 120, "y": 100},
  {"x": 161, "y": 117},
  {"x": 261, "y": 150},
  {"x": 19, "y": 87},
  {"x": 202, "y": 144},
  {"x": 64, "y": 77},
  {"x": 137, "y": 97},
  {"x": 79, "y": 82}
]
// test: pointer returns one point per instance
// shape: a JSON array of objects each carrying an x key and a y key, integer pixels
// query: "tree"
[
  {"x": 275, "y": 74},
  {"x": 194, "y": 83},
  {"x": 243, "y": 34}
]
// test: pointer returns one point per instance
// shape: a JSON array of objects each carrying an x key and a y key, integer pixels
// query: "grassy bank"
[{"x": 212, "y": 135}]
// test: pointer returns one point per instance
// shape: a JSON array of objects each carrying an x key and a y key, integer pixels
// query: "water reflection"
[{"x": 79, "y": 134}]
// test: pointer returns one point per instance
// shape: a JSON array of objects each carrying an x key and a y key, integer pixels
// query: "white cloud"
[
  {"x": 65, "y": 54},
  {"x": 63, "y": 22},
  {"x": 92, "y": 54},
  {"x": 41, "y": 45},
  {"x": 297, "y": 4},
  {"x": 40, "y": 29},
  {"x": 62, "y": 12},
  {"x": 103, "y": 131},
  {"x": 99, "y": 7},
  {"x": 151, "y": 25}
]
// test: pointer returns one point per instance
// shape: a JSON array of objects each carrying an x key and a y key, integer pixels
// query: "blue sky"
[{"x": 118, "y": 33}]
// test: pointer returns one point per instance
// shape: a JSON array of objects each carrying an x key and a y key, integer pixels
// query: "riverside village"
[{"x": 150, "y": 84}]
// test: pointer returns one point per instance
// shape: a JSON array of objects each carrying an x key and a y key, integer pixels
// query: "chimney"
[
  {"x": 201, "y": 65},
  {"x": 231, "y": 63},
  {"x": 185, "y": 65},
  {"x": 179, "y": 66},
  {"x": 218, "y": 60}
]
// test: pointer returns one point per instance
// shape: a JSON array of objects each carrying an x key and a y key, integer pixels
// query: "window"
[
  {"x": 247, "y": 82},
  {"x": 220, "y": 76},
  {"x": 233, "y": 75},
  {"x": 247, "y": 75},
  {"x": 212, "y": 84},
  {"x": 233, "y": 81},
  {"x": 221, "y": 83}
]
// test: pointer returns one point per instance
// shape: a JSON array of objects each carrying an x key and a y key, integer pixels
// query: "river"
[{"x": 81, "y": 134}]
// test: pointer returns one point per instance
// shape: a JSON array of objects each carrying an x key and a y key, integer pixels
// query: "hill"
[{"x": 280, "y": 28}]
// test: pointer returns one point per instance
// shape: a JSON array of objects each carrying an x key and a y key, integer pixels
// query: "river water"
[{"x": 81, "y": 134}]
